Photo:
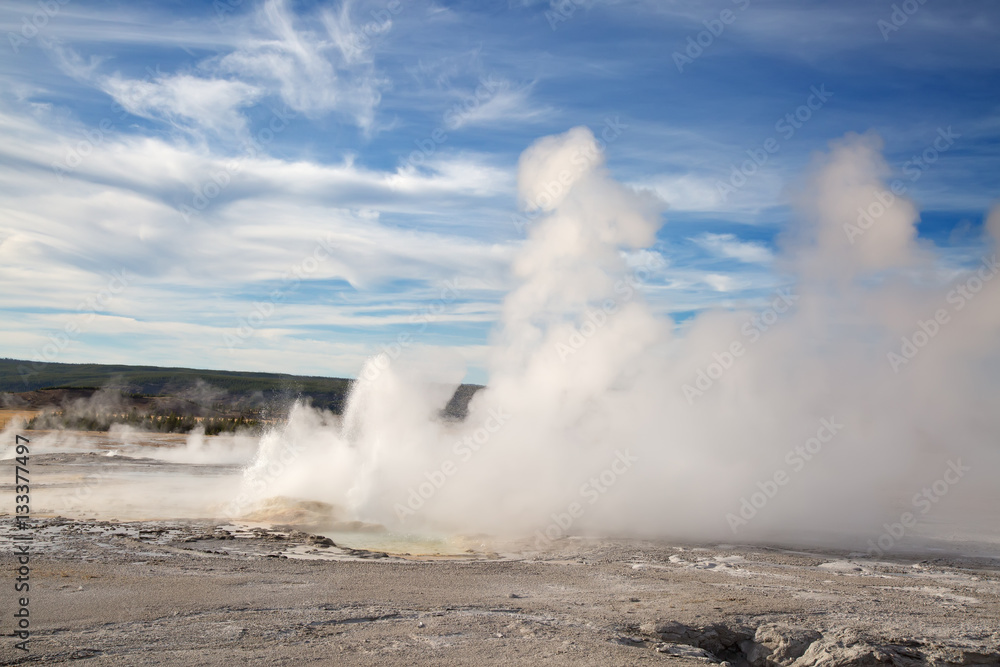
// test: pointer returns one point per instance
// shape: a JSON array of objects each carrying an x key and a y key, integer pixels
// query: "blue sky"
[{"x": 288, "y": 186}]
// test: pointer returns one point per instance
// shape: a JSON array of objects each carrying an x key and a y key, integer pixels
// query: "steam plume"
[{"x": 835, "y": 403}]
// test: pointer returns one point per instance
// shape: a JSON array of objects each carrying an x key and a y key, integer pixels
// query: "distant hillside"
[
  {"x": 20, "y": 376},
  {"x": 242, "y": 389}
]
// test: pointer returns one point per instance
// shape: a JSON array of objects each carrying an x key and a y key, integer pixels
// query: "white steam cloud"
[{"x": 869, "y": 380}]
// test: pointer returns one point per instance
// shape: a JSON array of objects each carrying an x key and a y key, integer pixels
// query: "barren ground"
[{"x": 182, "y": 591}]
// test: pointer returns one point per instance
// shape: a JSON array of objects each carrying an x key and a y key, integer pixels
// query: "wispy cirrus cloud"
[
  {"x": 186, "y": 101},
  {"x": 728, "y": 246},
  {"x": 313, "y": 73},
  {"x": 115, "y": 211},
  {"x": 315, "y": 64},
  {"x": 504, "y": 104}
]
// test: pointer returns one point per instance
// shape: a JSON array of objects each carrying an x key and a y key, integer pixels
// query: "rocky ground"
[{"x": 208, "y": 593}]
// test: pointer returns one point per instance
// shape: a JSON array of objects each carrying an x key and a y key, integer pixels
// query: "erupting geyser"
[{"x": 862, "y": 400}]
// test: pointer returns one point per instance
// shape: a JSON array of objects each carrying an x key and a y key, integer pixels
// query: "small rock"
[
  {"x": 830, "y": 651},
  {"x": 420, "y": 624},
  {"x": 685, "y": 651},
  {"x": 626, "y": 640},
  {"x": 776, "y": 643},
  {"x": 320, "y": 541}
]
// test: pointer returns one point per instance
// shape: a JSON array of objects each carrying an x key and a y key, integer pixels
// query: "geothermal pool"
[{"x": 127, "y": 476}]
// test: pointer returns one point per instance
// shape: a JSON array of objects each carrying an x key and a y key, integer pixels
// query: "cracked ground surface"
[{"x": 213, "y": 593}]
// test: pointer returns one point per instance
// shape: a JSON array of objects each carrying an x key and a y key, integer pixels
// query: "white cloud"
[
  {"x": 496, "y": 101},
  {"x": 116, "y": 209},
  {"x": 684, "y": 192},
  {"x": 354, "y": 40},
  {"x": 312, "y": 75},
  {"x": 730, "y": 247},
  {"x": 185, "y": 100},
  {"x": 312, "y": 72},
  {"x": 720, "y": 283},
  {"x": 73, "y": 64},
  {"x": 696, "y": 191},
  {"x": 645, "y": 258}
]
